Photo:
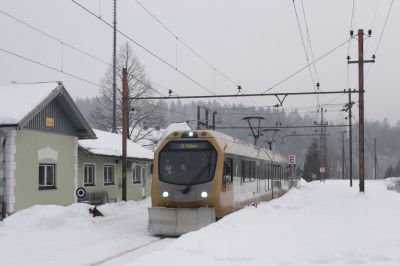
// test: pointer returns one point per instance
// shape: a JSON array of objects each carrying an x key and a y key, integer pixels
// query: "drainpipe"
[{"x": 2, "y": 152}]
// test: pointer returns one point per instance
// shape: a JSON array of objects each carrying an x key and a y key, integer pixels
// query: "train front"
[{"x": 183, "y": 189}]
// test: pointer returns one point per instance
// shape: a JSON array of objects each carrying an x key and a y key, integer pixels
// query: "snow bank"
[
  {"x": 393, "y": 183},
  {"x": 318, "y": 224},
  {"x": 58, "y": 235},
  {"x": 50, "y": 217}
]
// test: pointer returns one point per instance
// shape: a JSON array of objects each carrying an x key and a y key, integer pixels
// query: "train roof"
[{"x": 235, "y": 146}]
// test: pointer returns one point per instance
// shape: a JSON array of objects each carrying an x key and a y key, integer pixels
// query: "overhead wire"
[
  {"x": 305, "y": 50},
  {"x": 52, "y": 68},
  {"x": 353, "y": 11},
  {"x": 186, "y": 45},
  {"x": 54, "y": 38},
  {"x": 375, "y": 13},
  {"x": 309, "y": 41},
  {"x": 380, "y": 36},
  {"x": 62, "y": 42},
  {"x": 306, "y": 66},
  {"x": 147, "y": 50},
  {"x": 64, "y": 72},
  {"x": 192, "y": 50}
]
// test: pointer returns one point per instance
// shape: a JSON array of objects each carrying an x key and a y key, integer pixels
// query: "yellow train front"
[{"x": 200, "y": 176}]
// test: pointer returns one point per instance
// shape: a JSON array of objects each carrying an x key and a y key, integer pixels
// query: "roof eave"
[{"x": 112, "y": 156}]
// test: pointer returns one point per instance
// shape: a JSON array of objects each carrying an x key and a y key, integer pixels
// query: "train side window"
[
  {"x": 253, "y": 171},
  {"x": 228, "y": 171}
]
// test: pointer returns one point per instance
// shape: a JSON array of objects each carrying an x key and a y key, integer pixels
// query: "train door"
[{"x": 228, "y": 173}]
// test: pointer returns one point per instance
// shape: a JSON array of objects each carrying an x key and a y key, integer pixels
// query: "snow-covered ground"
[{"x": 319, "y": 223}]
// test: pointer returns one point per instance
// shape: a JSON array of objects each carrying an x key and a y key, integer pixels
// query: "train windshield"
[{"x": 187, "y": 162}]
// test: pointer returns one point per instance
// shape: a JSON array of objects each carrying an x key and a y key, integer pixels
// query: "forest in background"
[{"x": 387, "y": 135}]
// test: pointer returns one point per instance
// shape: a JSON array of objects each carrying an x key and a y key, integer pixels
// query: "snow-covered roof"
[
  {"x": 21, "y": 103},
  {"x": 110, "y": 144},
  {"x": 18, "y": 100}
]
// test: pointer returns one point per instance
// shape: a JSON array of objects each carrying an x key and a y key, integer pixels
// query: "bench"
[{"x": 96, "y": 198}]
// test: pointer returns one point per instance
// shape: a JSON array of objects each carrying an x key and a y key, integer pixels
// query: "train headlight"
[
  {"x": 190, "y": 134},
  {"x": 204, "y": 194},
  {"x": 165, "y": 194}
]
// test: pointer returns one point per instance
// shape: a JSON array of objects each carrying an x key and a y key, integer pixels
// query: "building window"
[
  {"x": 47, "y": 176},
  {"x": 108, "y": 174},
  {"x": 136, "y": 174},
  {"x": 88, "y": 171}
]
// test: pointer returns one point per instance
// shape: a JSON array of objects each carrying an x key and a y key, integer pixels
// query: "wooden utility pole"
[
  {"x": 360, "y": 63},
  {"x": 125, "y": 126},
  {"x": 322, "y": 147},
  {"x": 343, "y": 160},
  {"x": 375, "y": 158},
  {"x": 350, "y": 105},
  {"x": 361, "y": 107}
]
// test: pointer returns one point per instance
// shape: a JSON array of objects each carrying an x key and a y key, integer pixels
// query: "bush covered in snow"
[{"x": 393, "y": 183}]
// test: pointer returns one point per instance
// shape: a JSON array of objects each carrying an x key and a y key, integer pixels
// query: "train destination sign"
[{"x": 188, "y": 145}]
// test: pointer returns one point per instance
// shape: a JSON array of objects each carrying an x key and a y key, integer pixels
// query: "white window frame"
[
  {"x": 45, "y": 179},
  {"x": 106, "y": 179},
  {"x": 86, "y": 179},
  {"x": 136, "y": 178}
]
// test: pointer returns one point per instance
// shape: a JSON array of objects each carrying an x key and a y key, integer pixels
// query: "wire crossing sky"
[{"x": 209, "y": 47}]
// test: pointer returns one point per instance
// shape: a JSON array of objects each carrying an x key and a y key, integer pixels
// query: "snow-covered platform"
[{"x": 318, "y": 223}]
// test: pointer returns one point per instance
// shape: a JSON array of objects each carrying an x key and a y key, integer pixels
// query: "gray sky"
[{"x": 256, "y": 43}]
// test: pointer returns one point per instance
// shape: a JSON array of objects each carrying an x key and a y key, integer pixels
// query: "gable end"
[{"x": 52, "y": 118}]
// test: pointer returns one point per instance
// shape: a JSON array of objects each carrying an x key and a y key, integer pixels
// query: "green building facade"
[{"x": 41, "y": 161}]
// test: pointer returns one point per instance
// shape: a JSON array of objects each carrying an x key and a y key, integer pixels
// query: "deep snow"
[{"x": 319, "y": 223}]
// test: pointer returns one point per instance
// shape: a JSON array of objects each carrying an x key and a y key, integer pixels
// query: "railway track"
[{"x": 133, "y": 253}]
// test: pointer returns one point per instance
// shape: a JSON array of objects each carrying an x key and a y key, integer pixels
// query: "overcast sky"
[{"x": 255, "y": 43}]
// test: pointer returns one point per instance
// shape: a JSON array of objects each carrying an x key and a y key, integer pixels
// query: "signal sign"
[
  {"x": 80, "y": 192},
  {"x": 292, "y": 160},
  {"x": 322, "y": 169}
]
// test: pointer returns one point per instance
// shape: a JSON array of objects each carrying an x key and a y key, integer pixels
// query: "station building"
[
  {"x": 48, "y": 150},
  {"x": 100, "y": 166}
]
